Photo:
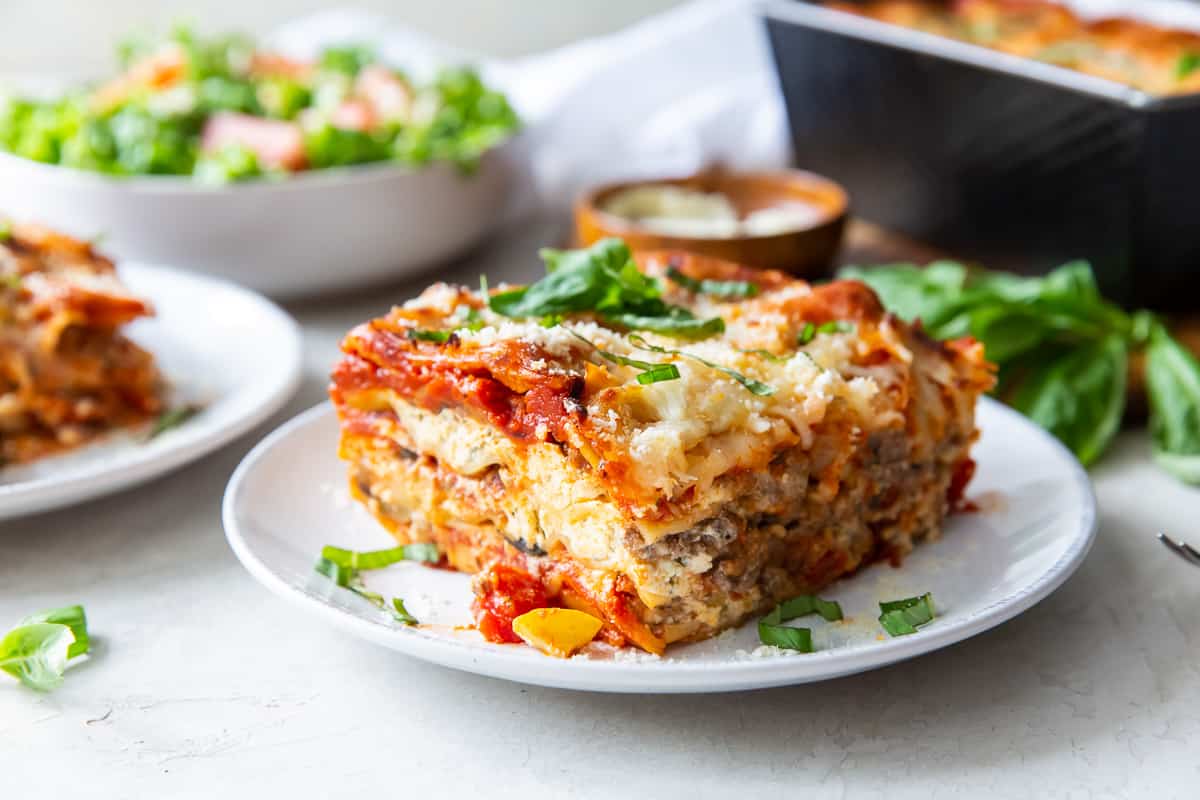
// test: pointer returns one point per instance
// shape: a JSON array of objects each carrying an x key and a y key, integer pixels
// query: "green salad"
[{"x": 220, "y": 109}]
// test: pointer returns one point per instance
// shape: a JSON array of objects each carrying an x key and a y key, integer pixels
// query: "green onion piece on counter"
[
  {"x": 902, "y": 617},
  {"x": 74, "y": 618},
  {"x": 751, "y": 385},
  {"x": 36, "y": 652},
  {"x": 418, "y": 335},
  {"x": 715, "y": 288}
]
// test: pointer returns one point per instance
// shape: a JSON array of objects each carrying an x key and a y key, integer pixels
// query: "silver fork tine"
[{"x": 1181, "y": 549}]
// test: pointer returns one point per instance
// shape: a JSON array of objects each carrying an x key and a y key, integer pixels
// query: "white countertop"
[{"x": 201, "y": 681}]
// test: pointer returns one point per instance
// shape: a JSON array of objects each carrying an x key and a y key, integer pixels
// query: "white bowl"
[{"x": 308, "y": 233}]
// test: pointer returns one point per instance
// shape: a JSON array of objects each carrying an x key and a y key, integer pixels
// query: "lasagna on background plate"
[
  {"x": 769, "y": 438},
  {"x": 67, "y": 374}
]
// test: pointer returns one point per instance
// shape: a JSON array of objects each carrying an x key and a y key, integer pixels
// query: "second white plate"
[
  {"x": 220, "y": 346},
  {"x": 1037, "y": 520}
]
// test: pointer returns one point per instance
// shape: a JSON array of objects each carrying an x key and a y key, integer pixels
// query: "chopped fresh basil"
[
  {"x": 805, "y": 604},
  {"x": 401, "y": 613},
  {"x": 806, "y": 333},
  {"x": 772, "y": 631},
  {"x": 715, "y": 288},
  {"x": 1187, "y": 64},
  {"x": 785, "y": 636},
  {"x": 469, "y": 318},
  {"x": 605, "y": 280},
  {"x": 173, "y": 418},
  {"x": 343, "y": 567},
  {"x": 378, "y": 559},
  {"x": 662, "y": 372},
  {"x": 36, "y": 652},
  {"x": 767, "y": 354},
  {"x": 420, "y": 335},
  {"x": 835, "y": 326},
  {"x": 5, "y": 230},
  {"x": 902, "y": 617},
  {"x": 751, "y": 385}
]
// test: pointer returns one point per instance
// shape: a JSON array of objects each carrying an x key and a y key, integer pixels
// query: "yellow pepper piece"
[{"x": 556, "y": 631}]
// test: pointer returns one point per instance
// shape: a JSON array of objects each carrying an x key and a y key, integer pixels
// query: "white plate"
[
  {"x": 287, "y": 499},
  {"x": 325, "y": 230},
  {"x": 221, "y": 346}
]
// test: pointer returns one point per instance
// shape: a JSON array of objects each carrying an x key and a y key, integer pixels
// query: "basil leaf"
[
  {"x": 785, "y": 637},
  {"x": 805, "y": 604},
  {"x": 902, "y": 617},
  {"x": 715, "y": 288},
  {"x": 377, "y": 559},
  {"x": 36, "y": 654},
  {"x": 658, "y": 374},
  {"x": 1173, "y": 385},
  {"x": 678, "y": 326},
  {"x": 1186, "y": 65},
  {"x": 1078, "y": 395},
  {"x": 401, "y": 613},
  {"x": 807, "y": 333},
  {"x": 71, "y": 616},
  {"x": 418, "y": 335},
  {"x": 341, "y": 575},
  {"x": 173, "y": 418}
]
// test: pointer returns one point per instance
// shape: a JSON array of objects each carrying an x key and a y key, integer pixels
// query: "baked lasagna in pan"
[
  {"x": 1156, "y": 60},
  {"x": 769, "y": 438},
  {"x": 67, "y": 374}
]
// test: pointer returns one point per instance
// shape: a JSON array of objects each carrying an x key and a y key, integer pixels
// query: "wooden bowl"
[{"x": 806, "y": 251}]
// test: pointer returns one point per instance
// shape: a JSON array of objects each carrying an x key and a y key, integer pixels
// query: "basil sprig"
[
  {"x": 343, "y": 568},
  {"x": 37, "y": 650},
  {"x": 605, "y": 280},
  {"x": 902, "y": 617},
  {"x": 772, "y": 631},
  {"x": 1062, "y": 350}
]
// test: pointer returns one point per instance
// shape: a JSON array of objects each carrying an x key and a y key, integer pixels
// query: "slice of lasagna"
[
  {"x": 769, "y": 438},
  {"x": 66, "y": 372}
]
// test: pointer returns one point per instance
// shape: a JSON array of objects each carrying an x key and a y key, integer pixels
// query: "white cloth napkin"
[{"x": 681, "y": 90}]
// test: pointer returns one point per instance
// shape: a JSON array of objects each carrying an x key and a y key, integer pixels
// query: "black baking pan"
[{"x": 1007, "y": 161}]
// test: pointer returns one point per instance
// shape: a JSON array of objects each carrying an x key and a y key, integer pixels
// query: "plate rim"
[
  {"x": 48, "y": 493},
  {"x": 639, "y": 676}
]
